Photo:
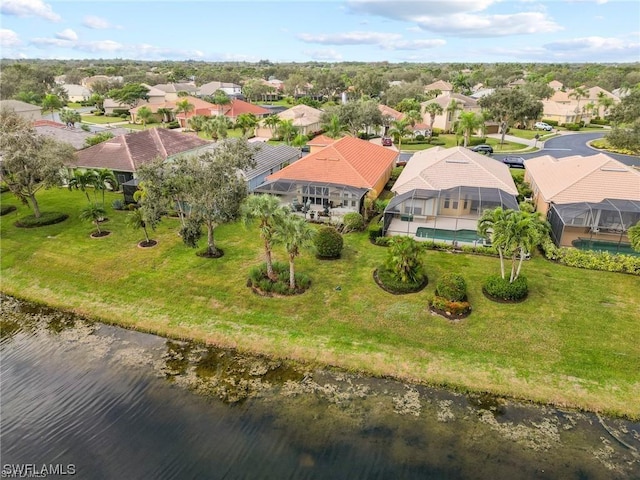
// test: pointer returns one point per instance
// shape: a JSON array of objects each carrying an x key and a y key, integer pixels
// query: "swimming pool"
[
  {"x": 437, "y": 234},
  {"x": 599, "y": 245}
]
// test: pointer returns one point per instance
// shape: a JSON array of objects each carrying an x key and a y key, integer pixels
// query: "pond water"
[{"x": 118, "y": 404}]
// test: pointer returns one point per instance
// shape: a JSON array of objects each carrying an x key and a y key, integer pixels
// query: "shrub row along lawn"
[{"x": 575, "y": 341}]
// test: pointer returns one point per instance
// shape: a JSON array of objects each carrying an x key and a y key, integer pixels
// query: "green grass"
[
  {"x": 231, "y": 133},
  {"x": 100, "y": 119},
  {"x": 526, "y": 134},
  {"x": 450, "y": 141},
  {"x": 575, "y": 341},
  {"x": 74, "y": 105}
]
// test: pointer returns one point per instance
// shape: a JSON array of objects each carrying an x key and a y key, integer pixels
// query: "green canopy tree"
[
  {"x": 267, "y": 211},
  {"x": 634, "y": 236},
  {"x": 30, "y": 162},
  {"x": 216, "y": 189},
  {"x": 81, "y": 180},
  {"x": 294, "y": 233},
  {"x": 216, "y": 127},
  {"x": 508, "y": 105},
  {"x": 51, "y": 103},
  {"x": 221, "y": 99},
  {"x": 287, "y": 130},
  {"x": 130, "y": 94},
  {"x": 399, "y": 129},
  {"x": 104, "y": 179},
  {"x": 144, "y": 115}
]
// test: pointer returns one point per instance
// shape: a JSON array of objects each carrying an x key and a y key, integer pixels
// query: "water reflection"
[{"x": 122, "y": 404}]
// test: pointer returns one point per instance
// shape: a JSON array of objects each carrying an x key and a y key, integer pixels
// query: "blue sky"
[{"x": 300, "y": 31}]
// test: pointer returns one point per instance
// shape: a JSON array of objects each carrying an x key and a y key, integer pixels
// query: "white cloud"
[
  {"x": 406, "y": 10},
  {"x": 594, "y": 44},
  {"x": 9, "y": 38},
  {"x": 386, "y": 41},
  {"x": 98, "y": 23},
  {"x": 67, "y": 34},
  {"x": 29, "y": 8},
  {"x": 323, "y": 55},
  {"x": 414, "y": 44}
]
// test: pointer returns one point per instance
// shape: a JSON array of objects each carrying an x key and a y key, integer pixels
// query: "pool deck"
[{"x": 400, "y": 227}]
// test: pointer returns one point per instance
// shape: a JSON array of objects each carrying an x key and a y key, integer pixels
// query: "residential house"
[
  {"x": 76, "y": 137},
  {"x": 337, "y": 177},
  {"x": 124, "y": 154},
  {"x": 23, "y": 109},
  {"x": 594, "y": 94},
  {"x": 231, "y": 89},
  {"x": 595, "y": 198},
  {"x": 445, "y": 88},
  {"x": 156, "y": 97},
  {"x": 441, "y": 194},
  {"x": 561, "y": 112},
  {"x": 319, "y": 142},
  {"x": 234, "y": 108},
  {"x": 172, "y": 90},
  {"x": 88, "y": 82},
  {"x": 448, "y": 118},
  {"x": 306, "y": 119},
  {"x": 517, "y": 83},
  {"x": 556, "y": 85},
  {"x": 76, "y": 93}
]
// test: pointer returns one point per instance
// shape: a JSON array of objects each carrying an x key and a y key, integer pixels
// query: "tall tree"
[
  {"x": 508, "y": 105},
  {"x": 105, "y": 179},
  {"x": 221, "y": 99},
  {"x": 130, "y": 94},
  {"x": 51, "y": 103},
  {"x": 70, "y": 117},
  {"x": 469, "y": 122},
  {"x": 82, "y": 180},
  {"x": 287, "y": 130},
  {"x": 267, "y": 211},
  {"x": 333, "y": 128},
  {"x": 578, "y": 93},
  {"x": 399, "y": 130},
  {"x": 167, "y": 114},
  {"x": 433, "y": 109},
  {"x": 294, "y": 233},
  {"x": 183, "y": 106},
  {"x": 144, "y": 115},
  {"x": 272, "y": 122},
  {"x": 30, "y": 162},
  {"x": 246, "y": 122},
  {"x": 216, "y": 127},
  {"x": 216, "y": 188}
]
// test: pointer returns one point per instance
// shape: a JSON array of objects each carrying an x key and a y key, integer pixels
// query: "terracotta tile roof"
[
  {"x": 443, "y": 168},
  {"x": 390, "y": 112},
  {"x": 583, "y": 179},
  {"x": 238, "y": 107},
  {"x": 439, "y": 85},
  {"x": 321, "y": 141},
  {"x": 127, "y": 152},
  {"x": 348, "y": 161}
]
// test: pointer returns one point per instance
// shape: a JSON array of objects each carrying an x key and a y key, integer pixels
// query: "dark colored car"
[
  {"x": 484, "y": 148},
  {"x": 513, "y": 162},
  {"x": 387, "y": 141}
]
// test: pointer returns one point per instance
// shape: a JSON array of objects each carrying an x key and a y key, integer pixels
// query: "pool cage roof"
[
  {"x": 487, "y": 197},
  {"x": 610, "y": 214},
  {"x": 284, "y": 186}
]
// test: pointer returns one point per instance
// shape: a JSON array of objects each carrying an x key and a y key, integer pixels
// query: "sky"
[{"x": 325, "y": 31}]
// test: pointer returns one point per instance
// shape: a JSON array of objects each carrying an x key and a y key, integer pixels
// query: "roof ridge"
[
  {"x": 364, "y": 180},
  {"x": 125, "y": 141},
  {"x": 157, "y": 135},
  {"x": 483, "y": 167},
  {"x": 587, "y": 172}
]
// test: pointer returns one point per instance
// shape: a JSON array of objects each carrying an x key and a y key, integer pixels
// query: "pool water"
[
  {"x": 469, "y": 236},
  {"x": 611, "y": 247}
]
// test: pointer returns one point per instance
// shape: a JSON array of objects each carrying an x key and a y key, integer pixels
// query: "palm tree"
[
  {"x": 334, "y": 128},
  {"x": 197, "y": 122},
  {"x": 294, "y": 233},
  {"x": 220, "y": 99},
  {"x": 433, "y": 109},
  {"x": 167, "y": 114},
  {"x": 299, "y": 141},
  {"x": 287, "y": 130},
  {"x": 272, "y": 122},
  {"x": 404, "y": 259},
  {"x": 51, "y": 102},
  {"x": 578, "y": 93},
  {"x": 451, "y": 109},
  {"x": 634, "y": 236},
  {"x": 104, "y": 178},
  {"x": 183, "y": 106},
  {"x": 136, "y": 220},
  {"x": 399, "y": 129},
  {"x": 94, "y": 213},
  {"x": 216, "y": 127},
  {"x": 413, "y": 117},
  {"x": 468, "y": 122},
  {"x": 605, "y": 102},
  {"x": 267, "y": 210},
  {"x": 144, "y": 115},
  {"x": 246, "y": 121},
  {"x": 81, "y": 180},
  {"x": 70, "y": 117},
  {"x": 513, "y": 232}
]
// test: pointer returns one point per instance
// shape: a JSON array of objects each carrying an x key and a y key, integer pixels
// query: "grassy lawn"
[
  {"x": 73, "y": 105},
  {"x": 575, "y": 341},
  {"x": 526, "y": 134},
  {"x": 234, "y": 133},
  {"x": 450, "y": 141},
  {"x": 100, "y": 119}
]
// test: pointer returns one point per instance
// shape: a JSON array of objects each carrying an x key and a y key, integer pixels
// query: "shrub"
[
  {"x": 328, "y": 242},
  {"x": 375, "y": 228},
  {"x": 352, "y": 222},
  {"x": 389, "y": 282},
  {"x": 437, "y": 141},
  {"x": 4, "y": 209},
  {"x": 473, "y": 141},
  {"x": 121, "y": 111},
  {"x": 574, "y": 127},
  {"x": 500, "y": 288},
  {"x": 383, "y": 241},
  {"x": 258, "y": 279},
  {"x": 452, "y": 287},
  {"x": 420, "y": 137},
  {"x": 85, "y": 127},
  {"x": 454, "y": 308},
  {"x": 117, "y": 204},
  {"x": 98, "y": 113},
  {"x": 46, "y": 218},
  {"x": 553, "y": 123},
  {"x": 599, "y": 121},
  {"x": 436, "y": 132}
]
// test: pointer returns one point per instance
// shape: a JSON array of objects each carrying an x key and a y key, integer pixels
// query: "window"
[
  {"x": 454, "y": 204},
  {"x": 446, "y": 202}
]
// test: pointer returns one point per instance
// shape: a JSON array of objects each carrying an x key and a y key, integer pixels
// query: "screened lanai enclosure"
[
  {"x": 444, "y": 215},
  {"x": 594, "y": 226},
  {"x": 316, "y": 195}
]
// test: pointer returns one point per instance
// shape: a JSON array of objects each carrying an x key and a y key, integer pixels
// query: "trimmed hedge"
[
  {"x": 497, "y": 287},
  {"x": 553, "y": 123},
  {"x": 591, "y": 260},
  {"x": 328, "y": 242},
  {"x": 573, "y": 127},
  {"x": 46, "y": 218},
  {"x": 452, "y": 287}
]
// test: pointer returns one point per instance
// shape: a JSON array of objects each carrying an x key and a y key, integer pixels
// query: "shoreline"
[{"x": 302, "y": 361}]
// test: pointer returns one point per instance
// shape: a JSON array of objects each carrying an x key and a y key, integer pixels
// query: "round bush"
[
  {"x": 328, "y": 242},
  {"x": 452, "y": 287},
  {"x": 7, "y": 209},
  {"x": 353, "y": 222},
  {"x": 46, "y": 218},
  {"x": 497, "y": 287}
]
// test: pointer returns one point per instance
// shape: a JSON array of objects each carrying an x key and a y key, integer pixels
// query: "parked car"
[
  {"x": 543, "y": 126},
  {"x": 387, "y": 142},
  {"x": 513, "y": 162},
  {"x": 483, "y": 148}
]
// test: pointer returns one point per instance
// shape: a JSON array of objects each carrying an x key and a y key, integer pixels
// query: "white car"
[{"x": 543, "y": 126}]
